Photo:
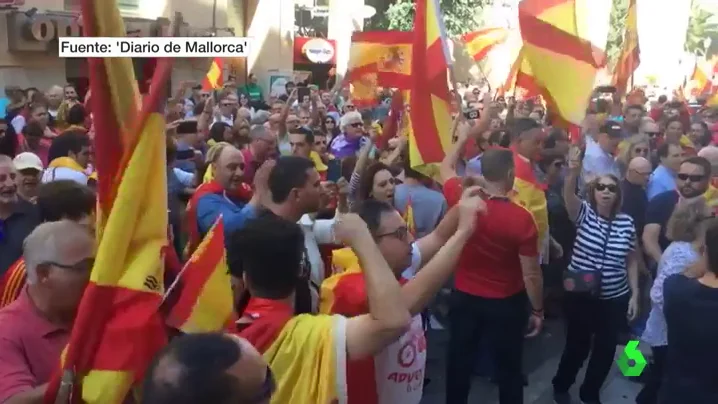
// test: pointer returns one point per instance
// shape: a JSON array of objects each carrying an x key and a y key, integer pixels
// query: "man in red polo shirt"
[
  {"x": 262, "y": 147},
  {"x": 498, "y": 275},
  {"x": 36, "y": 327}
]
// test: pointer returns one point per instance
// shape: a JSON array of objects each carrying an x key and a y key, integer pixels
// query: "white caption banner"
[{"x": 154, "y": 47}]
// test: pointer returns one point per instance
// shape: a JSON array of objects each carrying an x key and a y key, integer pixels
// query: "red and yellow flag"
[
  {"x": 386, "y": 53},
  {"x": 118, "y": 328},
  {"x": 429, "y": 100},
  {"x": 201, "y": 299},
  {"x": 530, "y": 193},
  {"x": 702, "y": 78},
  {"x": 12, "y": 282},
  {"x": 409, "y": 217},
  {"x": 479, "y": 43},
  {"x": 562, "y": 64},
  {"x": 214, "y": 78},
  {"x": 630, "y": 53}
]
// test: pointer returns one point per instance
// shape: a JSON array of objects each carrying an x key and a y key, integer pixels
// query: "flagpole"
[{"x": 486, "y": 78}]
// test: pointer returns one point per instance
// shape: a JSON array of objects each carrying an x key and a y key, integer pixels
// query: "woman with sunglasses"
[
  {"x": 601, "y": 282},
  {"x": 686, "y": 228}
]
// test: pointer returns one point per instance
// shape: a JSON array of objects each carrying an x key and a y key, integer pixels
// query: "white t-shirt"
[{"x": 64, "y": 173}]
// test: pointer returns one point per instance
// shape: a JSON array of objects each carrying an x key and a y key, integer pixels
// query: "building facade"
[{"x": 29, "y": 30}]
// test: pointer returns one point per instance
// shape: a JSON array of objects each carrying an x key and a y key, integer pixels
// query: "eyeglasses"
[
  {"x": 691, "y": 177},
  {"x": 612, "y": 188},
  {"x": 267, "y": 390},
  {"x": 84, "y": 265},
  {"x": 357, "y": 124},
  {"x": 402, "y": 233}
]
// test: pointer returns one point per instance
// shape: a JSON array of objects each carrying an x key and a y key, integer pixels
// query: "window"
[{"x": 125, "y": 6}]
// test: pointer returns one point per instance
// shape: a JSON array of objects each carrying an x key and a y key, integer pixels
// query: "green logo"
[{"x": 631, "y": 353}]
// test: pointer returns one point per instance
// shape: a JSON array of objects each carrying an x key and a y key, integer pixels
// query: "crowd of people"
[{"x": 335, "y": 241}]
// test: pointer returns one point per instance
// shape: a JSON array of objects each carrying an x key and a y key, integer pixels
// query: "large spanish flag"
[
  {"x": 479, "y": 43},
  {"x": 429, "y": 99},
  {"x": 215, "y": 75},
  {"x": 307, "y": 353},
  {"x": 630, "y": 53},
  {"x": 201, "y": 298},
  {"x": 562, "y": 64},
  {"x": 386, "y": 53},
  {"x": 118, "y": 329}
]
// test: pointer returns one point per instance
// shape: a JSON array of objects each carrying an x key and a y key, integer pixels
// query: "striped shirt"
[{"x": 588, "y": 249}]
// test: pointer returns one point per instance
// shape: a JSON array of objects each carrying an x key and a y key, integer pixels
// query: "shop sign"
[{"x": 314, "y": 50}]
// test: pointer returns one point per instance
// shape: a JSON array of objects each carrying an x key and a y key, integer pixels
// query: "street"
[{"x": 541, "y": 357}]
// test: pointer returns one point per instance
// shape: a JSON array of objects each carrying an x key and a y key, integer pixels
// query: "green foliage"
[
  {"x": 616, "y": 32},
  {"x": 460, "y": 16},
  {"x": 702, "y": 29}
]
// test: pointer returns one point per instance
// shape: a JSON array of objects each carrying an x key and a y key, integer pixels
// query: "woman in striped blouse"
[{"x": 605, "y": 245}]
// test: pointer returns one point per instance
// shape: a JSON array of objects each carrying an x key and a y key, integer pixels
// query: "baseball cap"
[
  {"x": 612, "y": 129},
  {"x": 27, "y": 160}
]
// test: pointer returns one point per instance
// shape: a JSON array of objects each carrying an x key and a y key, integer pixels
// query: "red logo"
[{"x": 407, "y": 355}]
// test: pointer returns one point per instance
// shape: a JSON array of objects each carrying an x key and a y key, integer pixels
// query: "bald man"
[
  {"x": 54, "y": 97},
  {"x": 208, "y": 368},
  {"x": 35, "y": 328},
  {"x": 218, "y": 197}
]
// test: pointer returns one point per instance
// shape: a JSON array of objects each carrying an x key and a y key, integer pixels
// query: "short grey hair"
[
  {"x": 260, "y": 117},
  {"x": 350, "y": 117},
  {"x": 258, "y": 132},
  {"x": 685, "y": 222},
  {"x": 49, "y": 240}
]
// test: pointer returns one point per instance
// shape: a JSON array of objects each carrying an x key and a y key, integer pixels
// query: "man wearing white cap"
[{"x": 30, "y": 168}]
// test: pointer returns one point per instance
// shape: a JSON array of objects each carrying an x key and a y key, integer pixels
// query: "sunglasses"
[
  {"x": 652, "y": 134},
  {"x": 402, "y": 233},
  {"x": 612, "y": 188},
  {"x": 357, "y": 124},
  {"x": 349, "y": 106},
  {"x": 641, "y": 150},
  {"x": 691, "y": 177}
]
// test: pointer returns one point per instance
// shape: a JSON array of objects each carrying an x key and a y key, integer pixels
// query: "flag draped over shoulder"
[
  {"x": 529, "y": 193},
  {"x": 214, "y": 78},
  {"x": 429, "y": 99},
  {"x": 630, "y": 53},
  {"x": 201, "y": 299},
  {"x": 12, "y": 282},
  {"x": 479, "y": 43},
  {"x": 118, "y": 328},
  {"x": 562, "y": 64}
]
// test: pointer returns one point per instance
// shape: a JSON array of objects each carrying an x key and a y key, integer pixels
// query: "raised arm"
[
  {"x": 388, "y": 317},
  {"x": 285, "y": 113},
  {"x": 573, "y": 203},
  {"x": 418, "y": 292}
]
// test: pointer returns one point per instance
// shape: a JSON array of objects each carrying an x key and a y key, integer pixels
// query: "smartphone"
[
  {"x": 334, "y": 170},
  {"x": 185, "y": 154},
  {"x": 473, "y": 114},
  {"x": 186, "y": 127},
  {"x": 302, "y": 92}
]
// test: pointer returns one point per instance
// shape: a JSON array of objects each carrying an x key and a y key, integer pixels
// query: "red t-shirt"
[{"x": 489, "y": 265}]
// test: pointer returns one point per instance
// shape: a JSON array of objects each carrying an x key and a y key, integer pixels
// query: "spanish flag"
[
  {"x": 529, "y": 193},
  {"x": 12, "y": 282},
  {"x": 215, "y": 75},
  {"x": 703, "y": 73},
  {"x": 408, "y": 217},
  {"x": 118, "y": 328},
  {"x": 562, "y": 64},
  {"x": 479, "y": 43},
  {"x": 307, "y": 353},
  {"x": 386, "y": 53},
  {"x": 343, "y": 259},
  {"x": 363, "y": 89},
  {"x": 429, "y": 99},
  {"x": 201, "y": 299},
  {"x": 630, "y": 53}
]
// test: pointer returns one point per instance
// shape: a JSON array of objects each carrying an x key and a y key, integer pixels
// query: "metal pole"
[{"x": 214, "y": 18}]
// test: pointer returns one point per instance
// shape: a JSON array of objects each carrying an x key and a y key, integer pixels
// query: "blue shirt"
[
  {"x": 234, "y": 215},
  {"x": 473, "y": 166},
  {"x": 662, "y": 179},
  {"x": 428, "y": 206}
]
